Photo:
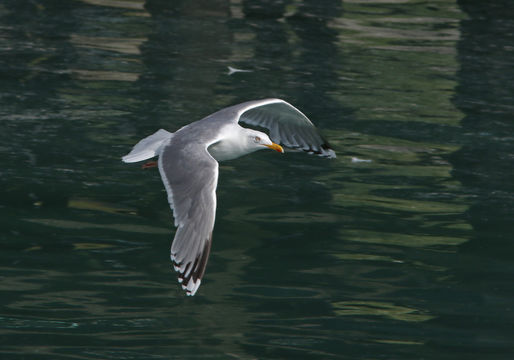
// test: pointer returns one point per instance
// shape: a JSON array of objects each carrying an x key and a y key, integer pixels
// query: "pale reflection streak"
[
  {"x": 79, "y": 225},
  {"x": 383, "y": 32},
  {"x": 127, "y": 4},
  {"x": 408, "y": 240},
  {"x": 96, "y": 75},
  {"x": 129, "y": 46},
  {"x": 368, "y": 2},
  {"x": 122, "y": 45},
  {"x": 96, "y": 205},
  {"x": 380, "y": 308}
]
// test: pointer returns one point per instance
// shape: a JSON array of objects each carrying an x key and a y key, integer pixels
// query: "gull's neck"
[{"x": 233, "y": 144}]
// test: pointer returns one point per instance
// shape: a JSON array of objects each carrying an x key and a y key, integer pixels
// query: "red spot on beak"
[{"x": 276, "y": 147}]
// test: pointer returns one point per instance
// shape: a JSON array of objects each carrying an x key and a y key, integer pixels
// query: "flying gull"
[{"x": 188, "y": 164}]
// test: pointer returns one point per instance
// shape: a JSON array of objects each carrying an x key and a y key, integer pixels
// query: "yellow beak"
[{"x": 276, "y": 147}]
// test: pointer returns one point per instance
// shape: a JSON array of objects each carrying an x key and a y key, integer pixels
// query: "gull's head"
[
  {"x": 257, "y": 140},
  {"x": 239, "y": 141}
]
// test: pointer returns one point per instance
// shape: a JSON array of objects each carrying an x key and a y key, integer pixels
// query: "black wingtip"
[
  {"x": 190, "y": 275},
  {"x": 327, "y": 150}
]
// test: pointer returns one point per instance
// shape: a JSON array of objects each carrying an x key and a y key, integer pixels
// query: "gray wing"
[
  {"x": 190, "y": 175},
  {"x": 286, "y": 124}
]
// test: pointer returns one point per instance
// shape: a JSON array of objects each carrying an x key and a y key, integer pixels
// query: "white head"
[
  {"x": 257, "y": 140},
  {"x": 240, "y": 141}
]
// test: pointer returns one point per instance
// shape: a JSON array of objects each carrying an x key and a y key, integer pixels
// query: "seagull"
[{"x": 188, "y": 164}]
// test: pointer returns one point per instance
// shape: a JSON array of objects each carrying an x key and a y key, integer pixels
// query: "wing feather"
[
  {"x": 286, "y": 124},
  {"x": 190, "y": 175}
]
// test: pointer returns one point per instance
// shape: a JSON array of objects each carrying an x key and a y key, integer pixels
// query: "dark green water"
[{"x": 401, "y": 248}]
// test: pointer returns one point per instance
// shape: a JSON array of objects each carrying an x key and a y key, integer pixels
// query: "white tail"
[{"x": 148, "y": 147}]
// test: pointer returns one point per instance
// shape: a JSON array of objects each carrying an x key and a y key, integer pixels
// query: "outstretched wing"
[
  {"x": 286, "y": 124},
  {"x": 190, "y": 175}
]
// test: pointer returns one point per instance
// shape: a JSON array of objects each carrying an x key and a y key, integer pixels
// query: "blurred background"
[{"x": 401, "y": 248}]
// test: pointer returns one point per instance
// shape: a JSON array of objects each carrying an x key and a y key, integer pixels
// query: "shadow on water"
[
  {"x": 398, "y": 249},
  {"x": 485, "y": 166}
]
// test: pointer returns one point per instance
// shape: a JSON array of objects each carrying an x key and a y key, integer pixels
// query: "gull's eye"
[{"x": 257, "y": 139}]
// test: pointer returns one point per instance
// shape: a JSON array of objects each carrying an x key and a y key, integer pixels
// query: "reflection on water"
[
  {"x": 129, "y": 4},
  {"x": 399, "y": 248},
  {"x": 371, "y": 308}
]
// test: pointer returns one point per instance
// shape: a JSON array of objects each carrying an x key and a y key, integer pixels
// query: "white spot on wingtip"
[{"x": 191, "y": 287}]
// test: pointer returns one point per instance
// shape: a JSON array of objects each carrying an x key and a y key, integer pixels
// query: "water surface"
[{"x": 401, "y": 248}]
